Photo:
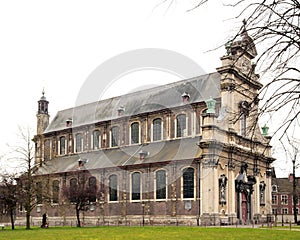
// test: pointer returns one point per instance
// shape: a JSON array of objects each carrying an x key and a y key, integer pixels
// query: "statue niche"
[{"x": 222, "y": 189}]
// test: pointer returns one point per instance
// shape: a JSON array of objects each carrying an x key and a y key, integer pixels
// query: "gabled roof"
[
  {"x": 164, "y": 152},
  {"x": 149, "y": 100}
]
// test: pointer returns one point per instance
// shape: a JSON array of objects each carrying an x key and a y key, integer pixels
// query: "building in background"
[{"x": 282, "y": 199}]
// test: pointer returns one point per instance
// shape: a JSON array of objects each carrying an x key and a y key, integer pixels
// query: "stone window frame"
[
  {"x": 138, "y": 133},
  {"x": 96, "y": 147},
  {"x": 182, "y": 183},
  {"x": 71, "y": 181},
  {"x": 55, "y": 191},
  {"x": 76, "y": 149},
  {"x": 161, "y": 129},
  {"x": 117, "y": 142},
  {"x": 155, "y": 185},
  {"x": 183, "y": 134},
  {"x": 244, "y": 109},
  {"x": 109, "y": 188},
  {"x": 47, "y": 149},
  {"x": 140, "y": 186},
  {"x": 39, "y": 193},
  {"x": 60, "y": 152}
]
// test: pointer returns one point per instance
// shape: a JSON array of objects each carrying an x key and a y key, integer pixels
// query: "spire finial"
[
  {"x": 244, "y": 30},
  {"x": 43, "y": 95}
]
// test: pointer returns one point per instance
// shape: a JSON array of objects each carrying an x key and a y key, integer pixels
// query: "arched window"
[
  {"x": 92, "y": 189},
  {"x": 39, "y": 193},
  {"x": 181, "y": 125},
  {"x": 55, "y": 191},
  {"x": 47, "y": 150},
  {"x": 78, "y": 142},
  {"x": 157, "y": 129},
  {"x": 113, "y": 188},
  {"x": 244, "y": 113},
  {"x": 96, "y": 139},
  {"x": 136, "y": 186},
  {"x": 135, "y": 133},
  {"x": 73, "y": 189},
  {"x": 188, "y": 183},
  {"x": 62, "y": 145},
  {"x": 114, "y": 133},
  {"x": 161, "y": 184}
]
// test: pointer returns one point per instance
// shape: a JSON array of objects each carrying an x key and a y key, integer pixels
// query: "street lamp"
[
  {"x": 282, "y": 202},
  {"x": 143, "y": 206}
]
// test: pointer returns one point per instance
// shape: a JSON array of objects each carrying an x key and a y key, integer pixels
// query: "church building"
[{"x": 189, "y": 152}]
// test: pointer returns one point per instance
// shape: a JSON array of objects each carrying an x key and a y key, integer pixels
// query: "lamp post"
[
  {"x": 282, "y": 213},
  {"x": 143, "y": 206}
]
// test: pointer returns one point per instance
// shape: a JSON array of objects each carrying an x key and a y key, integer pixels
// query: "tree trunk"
[
  {"x": 12, "y": 221},
  {"x": 78, "y": 217},
  {"x": 27, "y": 220}
]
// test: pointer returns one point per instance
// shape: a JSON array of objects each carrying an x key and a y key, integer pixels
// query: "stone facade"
[{"x": 197, "y": 157}]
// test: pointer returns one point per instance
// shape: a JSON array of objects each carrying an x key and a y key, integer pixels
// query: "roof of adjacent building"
[
  {"x": 162, "y": 151},
  {"x": 158, "y": 98},
  {"x": 285, "y": 185}
]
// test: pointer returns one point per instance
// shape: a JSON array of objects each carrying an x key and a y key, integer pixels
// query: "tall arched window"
[
  {"x": 62, "y": 145},
  {"x": 55, "y": 191},
  {"x": 96, "y": 139},
  {"x": 73, "y": 189},
  {"x": 113, "y": 188},
  {"x": 161, "y": 184},
  {"x": 157, "y": 129},
  {"x": 135, "y": 133},
  {"x": 114, "y": 133},
  {"x": 181, "y": 125},
  {"x": 136, "y": 186},
  {"x": 244, "y": 113},
  {"x": 47, "y": 149},
  {"x": 39, "y": 193},
  {"x": 78, "y": 142},
  {"x": 188, "y": 183},
  {"x": 92, "y": 189}
]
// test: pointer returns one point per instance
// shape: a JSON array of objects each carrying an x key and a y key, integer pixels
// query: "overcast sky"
[{"x": 56, "y": 45}]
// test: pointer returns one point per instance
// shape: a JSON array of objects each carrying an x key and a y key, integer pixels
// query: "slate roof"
[
  {"x": 284, "y": 185},
  {"x": 164, "y": 151},
  {"x": 163, "y": 97}
]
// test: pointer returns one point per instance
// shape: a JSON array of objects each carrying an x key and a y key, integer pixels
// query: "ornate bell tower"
[
  {"x": 239, "y": 82},
  {"x": 42, "y": 123},
  {"x": 42, "y": 115}
]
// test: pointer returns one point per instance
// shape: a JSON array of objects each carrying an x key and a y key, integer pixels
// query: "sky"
[{"x": 56, "y": 45}]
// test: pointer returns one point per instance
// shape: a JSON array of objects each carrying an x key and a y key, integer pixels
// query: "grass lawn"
[{"x": 161, "y": 233}]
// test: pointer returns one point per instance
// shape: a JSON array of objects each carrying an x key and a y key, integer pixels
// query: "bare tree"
[
  {"x": 81, "y": 191},
  {"x": 9, "y": 196},
  {"x": 30, "y": 188}
]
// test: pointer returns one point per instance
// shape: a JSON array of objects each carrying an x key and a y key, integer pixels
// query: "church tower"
[
  {"x": 42, "y": 114},
  {"x": 42, "y": 123},
  {"x": 239, "y": 83}
]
